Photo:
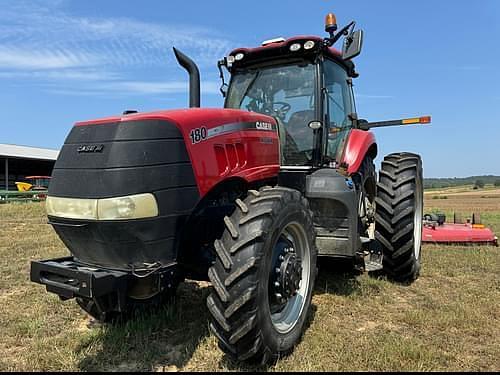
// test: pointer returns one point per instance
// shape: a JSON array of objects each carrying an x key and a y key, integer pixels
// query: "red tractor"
[{"x": 247, "y": 196}]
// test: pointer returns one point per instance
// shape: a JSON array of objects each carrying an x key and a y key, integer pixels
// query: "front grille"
[{"x": 124, "y": 158}]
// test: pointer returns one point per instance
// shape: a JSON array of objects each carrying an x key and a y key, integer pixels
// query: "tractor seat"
[
  {"x": 298, "y": 138},
  {"x": 299, "y": 121},
  {"x": 297, "y": 125}
]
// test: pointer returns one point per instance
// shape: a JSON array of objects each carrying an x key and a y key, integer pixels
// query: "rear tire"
[
  {"x": 248, "y": 319},
  {"x": 365, "y": 180},
  {"x": 398, "y": 218}
]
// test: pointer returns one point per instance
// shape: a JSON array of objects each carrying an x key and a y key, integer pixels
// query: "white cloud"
[
  {"x": 58, "y": 76},
  {"x": 15, "y": 58},
  {"x": 364, "y": 96},
  {"x": 68, "y": 41},
  {"x": 41, "y": 42},
  {"x": 144, "y": 87},
  {"x": 134, "y": 88}
]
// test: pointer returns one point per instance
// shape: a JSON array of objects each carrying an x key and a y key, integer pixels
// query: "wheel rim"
[
  {"x": 285, "y": 315},
  {"x": 417, "y": 223}
]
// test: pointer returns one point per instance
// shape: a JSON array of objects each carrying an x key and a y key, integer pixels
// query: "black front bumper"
[
  {"x": 69, "y": 279},
  {"x": 110, "y": 290}
]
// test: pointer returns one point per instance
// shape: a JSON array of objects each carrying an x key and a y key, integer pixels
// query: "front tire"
[
  {"x": 398, "y": 217},
  {"x": 263, "y": 276}
]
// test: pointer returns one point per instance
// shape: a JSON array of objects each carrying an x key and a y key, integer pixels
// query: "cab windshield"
[{"x": 288, "y": 94}]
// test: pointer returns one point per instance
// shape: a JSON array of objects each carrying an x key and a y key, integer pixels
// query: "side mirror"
[
  {"x": 360, "y": 124},
  {"x": 352, "y": 45}
]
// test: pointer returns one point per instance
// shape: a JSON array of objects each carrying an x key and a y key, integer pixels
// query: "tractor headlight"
[
  {"x": 129, "y": 207},
  {"x": 72, "y": 208},
  {"x": 119, "y": 208},
  {"x": 295, "y": 47}
]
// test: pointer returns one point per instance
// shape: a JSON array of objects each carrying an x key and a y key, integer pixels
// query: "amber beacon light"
[{"x": 330, "y": 23}]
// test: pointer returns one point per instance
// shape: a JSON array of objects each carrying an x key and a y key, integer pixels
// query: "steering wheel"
[
  {"x": 283, "y": 110},
  {"x": 279, "y": 112}
]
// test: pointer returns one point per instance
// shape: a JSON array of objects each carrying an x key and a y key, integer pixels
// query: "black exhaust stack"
[{"x": 194, "y": 77}]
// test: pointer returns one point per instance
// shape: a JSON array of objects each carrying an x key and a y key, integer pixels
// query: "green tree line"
[{"x": 479, "y": 181}]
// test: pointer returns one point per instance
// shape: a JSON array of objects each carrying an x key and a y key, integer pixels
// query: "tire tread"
[{"x": 395, "y": 212}]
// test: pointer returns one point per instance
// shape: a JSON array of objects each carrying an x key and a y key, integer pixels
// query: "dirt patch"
[{"x": 368, "y": 325}]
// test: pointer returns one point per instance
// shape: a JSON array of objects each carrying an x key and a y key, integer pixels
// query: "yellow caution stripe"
[{"x": 417, "y": 120}]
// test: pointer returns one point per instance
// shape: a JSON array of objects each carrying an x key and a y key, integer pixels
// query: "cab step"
[
  {"x": 373, "y": 262},
  {"x": 370, "y": 257}
]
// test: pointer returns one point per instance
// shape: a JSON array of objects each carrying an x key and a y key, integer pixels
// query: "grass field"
[{"x": 449, "y": 319}]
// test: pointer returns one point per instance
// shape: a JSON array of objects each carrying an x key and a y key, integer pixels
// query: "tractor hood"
[
  {"x": 203, "y": 145},
  {"x": 204, "y": 131}
]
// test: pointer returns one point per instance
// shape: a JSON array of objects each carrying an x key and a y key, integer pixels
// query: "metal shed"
[{"x": 17, "y": 162}]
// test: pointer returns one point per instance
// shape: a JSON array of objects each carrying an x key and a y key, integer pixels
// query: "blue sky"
[{"x": 62, "y": 61}]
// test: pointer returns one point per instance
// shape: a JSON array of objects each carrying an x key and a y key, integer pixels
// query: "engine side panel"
[
  {"x": 358, "y": 144},
  {"x": 246, "y": 147}
]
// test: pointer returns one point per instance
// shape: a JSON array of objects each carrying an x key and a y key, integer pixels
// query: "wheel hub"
[
  {"x": 290, "y": 275},
  {"x": 287, "y": 276}
]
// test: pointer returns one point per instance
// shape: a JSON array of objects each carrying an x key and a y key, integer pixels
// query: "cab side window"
[{"x": 339, "y": 105}]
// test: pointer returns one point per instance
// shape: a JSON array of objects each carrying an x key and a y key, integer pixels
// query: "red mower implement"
[
  {"x": 246, "y": 196},
  {"x": 436, "y": 230}
]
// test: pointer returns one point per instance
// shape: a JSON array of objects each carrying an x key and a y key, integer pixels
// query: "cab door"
[{"x": 338, "y": 105}]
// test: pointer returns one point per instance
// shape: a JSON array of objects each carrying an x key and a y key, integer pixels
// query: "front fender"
[{"x": 359, "y": 144}]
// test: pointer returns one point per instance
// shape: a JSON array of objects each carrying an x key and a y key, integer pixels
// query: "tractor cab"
[{"x": 306, "y": 85}]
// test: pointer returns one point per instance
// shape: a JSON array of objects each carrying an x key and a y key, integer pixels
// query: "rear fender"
[{"x": 359, "y": 144}]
